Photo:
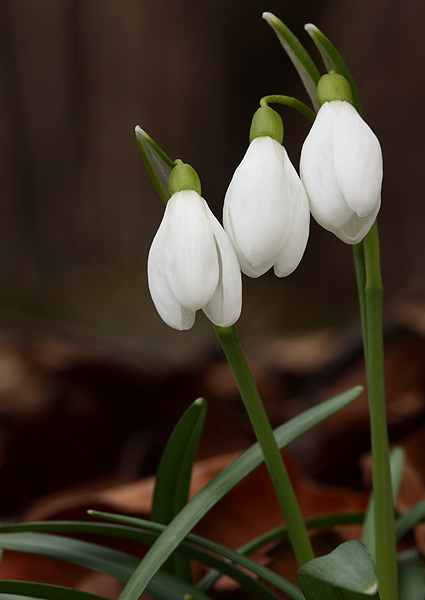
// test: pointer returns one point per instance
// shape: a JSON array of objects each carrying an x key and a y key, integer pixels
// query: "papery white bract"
[
  {"x": 266, "y": 213},
  {"x": 192, "y": 265},
  {"x": 341, "y": 168}
]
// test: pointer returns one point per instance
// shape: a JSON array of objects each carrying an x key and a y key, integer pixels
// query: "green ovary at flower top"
[
  {"x": 341, "y": 164},
  {"x": 191, "y": 263},
  {"x": 266, "y": 212}
]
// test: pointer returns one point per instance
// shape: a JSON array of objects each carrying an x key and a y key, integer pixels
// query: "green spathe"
[
  {"x": 266, "y": 122},
  {"x": 333, "y": 86},
  {"x": 183, "y": 177}
]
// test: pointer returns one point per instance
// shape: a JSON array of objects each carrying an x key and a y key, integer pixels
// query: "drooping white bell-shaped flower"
[
  {"x": 266, "y": 213},
  {"x": 341, "y": 168},
  {"x": 192, "y": 265}
]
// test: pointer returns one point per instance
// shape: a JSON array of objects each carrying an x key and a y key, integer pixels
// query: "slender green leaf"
[
  {"x": 192, "y": 547},
  {"x": 298, "y": 55},
  {"x": 174, "y": 474},
  {"x": 27, "y": 589},
  {"x": 347, "y": 573},
  {"x": 406, "y": 521},
  {"x": 232, "y": 557},
  {"x": 175, "y": 468},
  {"x": 280, "y": 533},
  {"x": 114, "y": 563},
  {"x": 397, "y": 462},
  {"x": 216, "y": 489},
  {"x": 157, "y": 163},
  {"x": 411, "y": 576},
  {"x": 333, "y": 60}
]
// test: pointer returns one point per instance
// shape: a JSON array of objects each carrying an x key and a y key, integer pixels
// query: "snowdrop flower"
[
  {"x": 266, "y": 213},
  {"x": 341, "y": 164},
  {"x": 191, "y": 263}
]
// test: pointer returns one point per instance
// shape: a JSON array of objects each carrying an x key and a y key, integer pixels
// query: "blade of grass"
[
  {"x": 280, "y": 533},
  {"x": 29, "y": 589},
  {"x": 232, "y": 557},
  {"x": 216, "y": 489},
  {"x": 174, "y": 474},
  {"x": 114, "y": 563},
  {"x": 409, "y": 519},
  {"x": 195, "y": 547}
]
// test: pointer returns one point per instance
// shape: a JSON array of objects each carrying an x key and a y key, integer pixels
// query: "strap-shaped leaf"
[
  {"x": 397, "y": 461},
  {"x": 216, "y": 489},
  {"x": 29, "y": 589},
  {"x": 347, "y": 573},
  {"x": 200, "y": 549},
  {"x": 333, "y": 60},
  {"x": 298, "y": 55},
  {"x": 280, "y": 533},
  {"x": 157, "y": 163},
  {"x": 114, "y": 563},
  {"x": 174, "y": 474},
  {"x": 175, "y": 468},
  {"x": 406, "y": 521},
  {"x": 411, "y": 576}
]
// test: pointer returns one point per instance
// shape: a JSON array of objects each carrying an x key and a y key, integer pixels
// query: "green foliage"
[
  {"x": 298, "y": 55},
  {"x": 411, "y": 576},
  {"x": 174, "y": 474},
  {"x": 13, "y": 590},
  {"x": 157, "y": 163},
  {"x": 333, "y": 60},
  {"x": 347, "y": 573},
  {"x": 216, "y": 489},
  {"x": 397, "y": 462}
]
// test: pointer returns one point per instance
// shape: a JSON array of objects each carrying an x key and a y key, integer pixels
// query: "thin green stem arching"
[
  {"x": 291, "y": 102},
  {"x": 281, "y": 482},
  {"x": 386, "y": 558}
]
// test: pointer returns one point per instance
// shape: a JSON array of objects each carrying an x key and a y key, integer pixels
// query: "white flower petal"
[
  {"x": 292, "y": 251},
  {"x": 245, "y": 266},
  {"x": 357, "y": 227},
  {"x": 255, "y": 213},
  {"x": 190, "y": 255},
  {"x": 327, "y": 203},
  {"x": 357, "y": 160},
  {"x": 224, "y": 308},
  {"x": 166, "y": 304}
]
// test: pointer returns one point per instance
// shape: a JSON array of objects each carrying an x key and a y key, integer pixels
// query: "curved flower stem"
[
  {"x": 289, "y": 101},
  {"x": 279, "y": 475},
  {"x": 371, "y": 294}
]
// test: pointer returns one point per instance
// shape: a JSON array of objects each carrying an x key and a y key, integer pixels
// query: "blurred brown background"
[{"x": 78, "y": 211}]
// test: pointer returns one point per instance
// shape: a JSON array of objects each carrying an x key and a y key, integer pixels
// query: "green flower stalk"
[
  {"x": 341, "y": 168},
  {"x": 279, "y": 475}
]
